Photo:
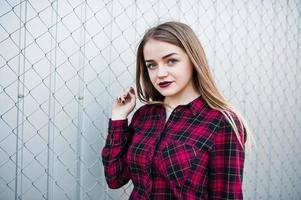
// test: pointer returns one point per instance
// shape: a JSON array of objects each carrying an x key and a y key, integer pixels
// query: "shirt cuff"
[{"x": 118, "y": 132}]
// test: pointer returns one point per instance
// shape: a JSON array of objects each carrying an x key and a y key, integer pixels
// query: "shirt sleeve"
[
  {"x": 226, "y": 163},
  {"x": 114, "y": 153}
]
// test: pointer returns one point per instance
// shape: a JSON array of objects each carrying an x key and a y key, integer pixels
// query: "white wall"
[{"x": 62, "y": 63}]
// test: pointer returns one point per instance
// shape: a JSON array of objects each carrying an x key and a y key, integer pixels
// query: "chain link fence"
[{"x": 63, "y": 61}]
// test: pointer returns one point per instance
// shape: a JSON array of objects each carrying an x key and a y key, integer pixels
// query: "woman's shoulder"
[
  {"x": 145, "y": 109},
  {"x": 225, "y": 118},
  {"x": 143, "y": 113}
]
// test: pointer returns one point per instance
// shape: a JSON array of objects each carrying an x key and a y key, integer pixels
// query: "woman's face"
[{"x": 169, "y": 69}]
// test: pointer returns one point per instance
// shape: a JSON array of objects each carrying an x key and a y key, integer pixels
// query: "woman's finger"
[
  {"x": 132, "y": 90},
  {"x": 126, "y": 96}
]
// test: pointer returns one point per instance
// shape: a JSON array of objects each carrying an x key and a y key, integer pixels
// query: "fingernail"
[{"x": 132, "y": 90}]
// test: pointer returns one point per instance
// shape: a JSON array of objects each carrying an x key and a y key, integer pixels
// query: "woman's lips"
[{"x": 164, "y": 84}]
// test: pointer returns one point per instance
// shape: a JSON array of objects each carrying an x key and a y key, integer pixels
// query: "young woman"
[{"x": 186, "y": 142}]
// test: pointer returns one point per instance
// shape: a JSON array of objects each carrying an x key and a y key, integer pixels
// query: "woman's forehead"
[{"x": 155, "y": 49}]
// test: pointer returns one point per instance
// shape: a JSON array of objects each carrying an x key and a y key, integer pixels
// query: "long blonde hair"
[{"x": 181, "y": 35}]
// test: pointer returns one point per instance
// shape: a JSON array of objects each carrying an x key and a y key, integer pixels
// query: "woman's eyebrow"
[{"x": 166, "y": 56}]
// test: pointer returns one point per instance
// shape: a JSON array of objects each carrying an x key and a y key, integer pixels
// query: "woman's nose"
[{"x": 162, "y": 71}]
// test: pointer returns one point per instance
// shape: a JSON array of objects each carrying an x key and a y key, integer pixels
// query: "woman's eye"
[
  {"x": 150, "y": 66},
  {"x": 172, "y": 61}
]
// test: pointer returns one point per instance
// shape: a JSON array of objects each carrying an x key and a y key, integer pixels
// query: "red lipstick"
[{"x": 164, "y": 84}]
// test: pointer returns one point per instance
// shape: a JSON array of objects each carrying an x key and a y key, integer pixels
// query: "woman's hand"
[{"x": 124, "y": 105}]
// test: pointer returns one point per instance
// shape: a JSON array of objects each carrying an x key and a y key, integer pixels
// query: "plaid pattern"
[{"x": 194, "y": 155}]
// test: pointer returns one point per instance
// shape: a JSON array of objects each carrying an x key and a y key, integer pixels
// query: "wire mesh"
[{"x": 63, "y": 62}]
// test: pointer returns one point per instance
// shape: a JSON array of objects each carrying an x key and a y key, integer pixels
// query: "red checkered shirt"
[{"x": 194, "y": 155}]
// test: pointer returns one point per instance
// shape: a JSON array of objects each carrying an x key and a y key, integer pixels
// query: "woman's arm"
[
  {"x": 226, "y": 163},
  {"x": 119, "y": 137}
]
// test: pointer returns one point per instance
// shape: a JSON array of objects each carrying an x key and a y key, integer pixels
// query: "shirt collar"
[{"x": 196, "y": 105}]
